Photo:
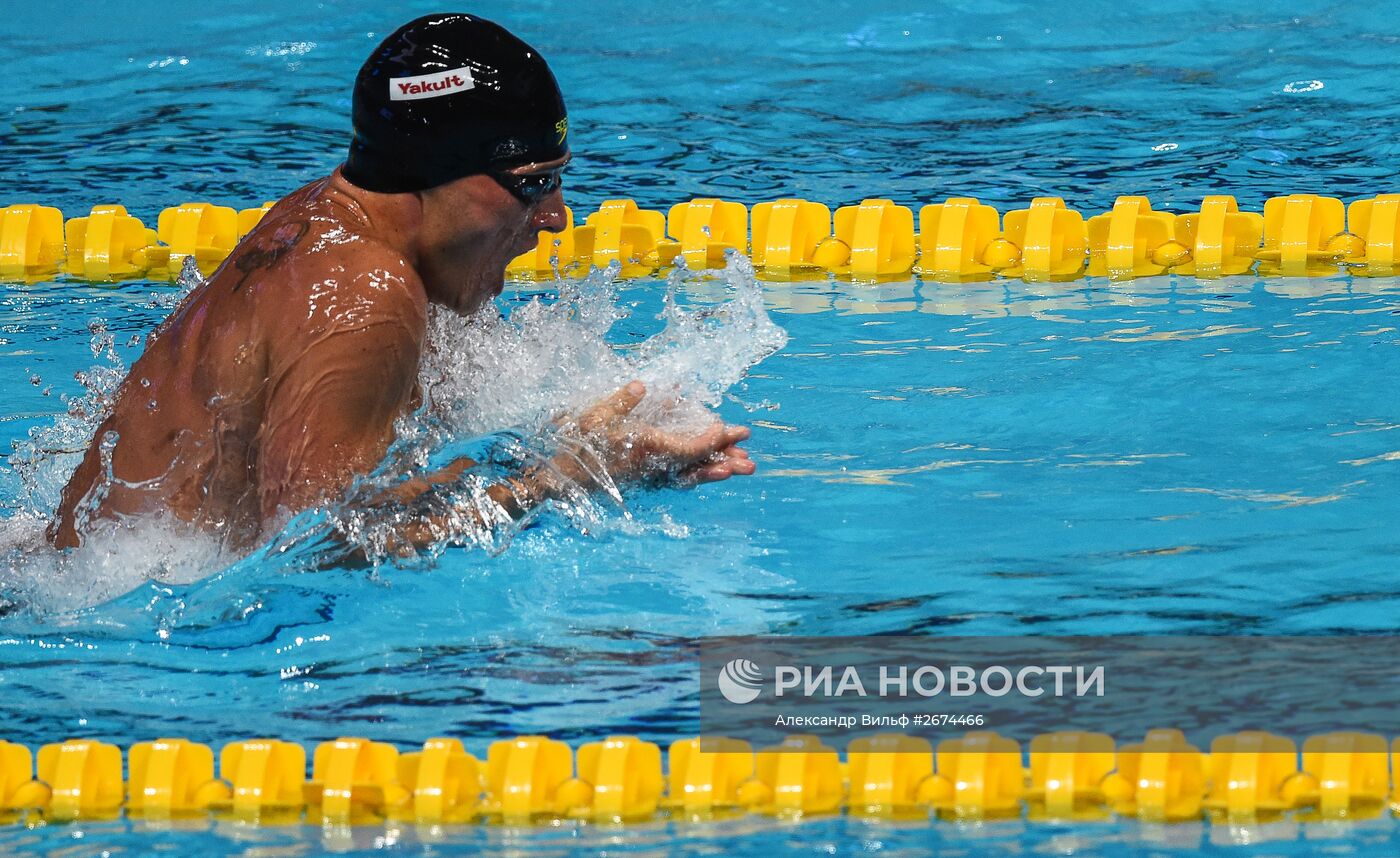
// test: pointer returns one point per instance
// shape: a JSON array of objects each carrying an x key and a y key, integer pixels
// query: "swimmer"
[{"x": 278, "y": 380}]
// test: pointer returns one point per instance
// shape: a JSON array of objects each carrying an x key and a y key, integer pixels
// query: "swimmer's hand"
[{"x": 633, "y": 451}]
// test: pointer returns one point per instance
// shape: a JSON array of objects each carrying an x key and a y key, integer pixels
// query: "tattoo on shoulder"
[{"x": 268, "y": 250}]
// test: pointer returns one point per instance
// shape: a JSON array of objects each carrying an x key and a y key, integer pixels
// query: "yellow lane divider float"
[
  {"x": 109, "y": 244},
  {"x": 1244, "y": 777},
  {"x": 960, "y": 239}
]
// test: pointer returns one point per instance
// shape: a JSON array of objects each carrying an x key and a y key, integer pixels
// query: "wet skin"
[{"x": 278, "y": 380}]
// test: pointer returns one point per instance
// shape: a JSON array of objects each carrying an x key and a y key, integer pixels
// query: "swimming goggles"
[{"x": 530, "y": 188}]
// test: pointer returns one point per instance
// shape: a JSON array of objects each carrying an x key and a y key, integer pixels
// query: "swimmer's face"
[{"x": 473, "y": 227}]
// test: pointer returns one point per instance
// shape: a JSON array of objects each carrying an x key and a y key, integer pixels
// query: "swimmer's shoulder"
[
  {"x": 358, "y": 293},
  {"x": 316, "y": 240}
]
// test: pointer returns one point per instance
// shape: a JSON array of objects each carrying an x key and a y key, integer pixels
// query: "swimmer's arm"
[
  {"x": 625, "y": 450},
  {"x": 332, "y": 400},
  {"x": 567, "y": 473},
  {"x": 515, "y": 495}
]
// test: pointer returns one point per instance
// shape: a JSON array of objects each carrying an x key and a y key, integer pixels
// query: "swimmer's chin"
[{"x": 472, "y": 303}]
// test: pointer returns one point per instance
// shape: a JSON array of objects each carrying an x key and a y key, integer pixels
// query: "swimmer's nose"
[{"x": 549, "y": 215}]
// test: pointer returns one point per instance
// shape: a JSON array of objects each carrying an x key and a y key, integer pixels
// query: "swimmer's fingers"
[
  {"x": 735, "y": 434},
  {"x": 715, "y": 446},
  {"x": 729, "y": 448},
  {"x": 735, "y": 463},
  {"x": 701, "y": 474},
  {"x": 684, "y": 449},
  {"x": 737, "y": 458},
  {"x": 612, "y": 409}
]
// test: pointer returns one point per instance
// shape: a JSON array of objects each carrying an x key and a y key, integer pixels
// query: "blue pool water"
[{"x": 1159, "y": 456}]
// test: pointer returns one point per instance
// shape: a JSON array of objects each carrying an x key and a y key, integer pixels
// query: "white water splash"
[{"x": 488, "y": 372}]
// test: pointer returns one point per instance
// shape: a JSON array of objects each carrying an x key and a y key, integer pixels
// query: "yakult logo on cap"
[{"x": 431, "y": 85}]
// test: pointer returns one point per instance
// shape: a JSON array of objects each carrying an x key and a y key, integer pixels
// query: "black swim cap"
[{"x": 447, "y": 96}]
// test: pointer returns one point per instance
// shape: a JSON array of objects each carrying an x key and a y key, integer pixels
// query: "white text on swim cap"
[{"x": 431, "y": 85}]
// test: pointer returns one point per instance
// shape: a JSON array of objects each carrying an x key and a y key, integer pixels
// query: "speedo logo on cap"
[{"x": 431, "y": 85}]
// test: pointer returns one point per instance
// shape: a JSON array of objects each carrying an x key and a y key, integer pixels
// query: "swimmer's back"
[{"x": 190, "y": 419}]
